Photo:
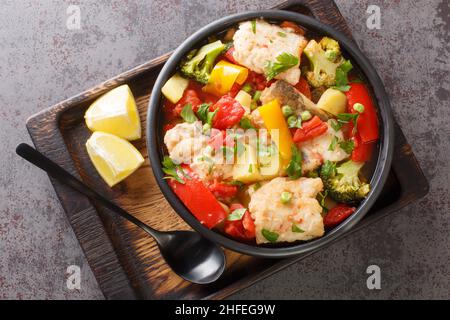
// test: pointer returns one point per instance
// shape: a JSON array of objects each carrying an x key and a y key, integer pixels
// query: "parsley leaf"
[
  {"x": 188, "y": 114},
  {"x": 347, "y": 146},
  {"x": 245, "y": 123},
  {"x": 321, "y": 200},
  {"x": 202, "y": 112},
  {"x": 282, "y": 34},
  {"x": 342, "y": 76},
  {"x": 254, "y": 26},
  {"x": 328, "y": 169},
  {"x": 283, "y": 62},
  {"x": 294, "y": 169},
  {"x": 171, "y": 169},
  {"x": 333, "y": 143}
]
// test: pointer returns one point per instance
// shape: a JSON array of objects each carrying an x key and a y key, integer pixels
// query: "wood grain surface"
[{"x": 124, "y": 260}]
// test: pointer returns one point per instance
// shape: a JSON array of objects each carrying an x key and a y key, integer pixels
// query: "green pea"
[
  {"x": 306, "y": 115},
  {"x": 285, "y": 197},
  {"x": 358, "y": 107},
  {"x": 287, "y": 111}
]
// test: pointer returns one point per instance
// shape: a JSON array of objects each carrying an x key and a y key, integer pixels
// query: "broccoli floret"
[
  {"x": 323, "y": 71},
  {"x": 199, "y": 64},
  {"x": 343, "y": 183},
  {"x": 331, "y": 48}
]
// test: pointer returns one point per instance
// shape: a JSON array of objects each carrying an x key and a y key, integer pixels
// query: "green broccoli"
[
  {"x": 323, "y": 71},
  {"x": 332, "y": 49},
  {"x": 342, "y": 181},
  {"x": 199, "y": 63}
]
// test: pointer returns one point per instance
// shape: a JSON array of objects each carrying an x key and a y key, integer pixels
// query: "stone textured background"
[{"x": 42, "y": 63}]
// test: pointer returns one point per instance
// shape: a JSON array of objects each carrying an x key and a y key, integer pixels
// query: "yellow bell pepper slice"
[
  {"x": 273, "y": 119},
  {"x": 223, "y": 76}
]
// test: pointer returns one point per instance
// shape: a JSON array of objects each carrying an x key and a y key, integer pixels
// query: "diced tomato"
[
  {"x": 303, "y": 87},
  {"x": 310, "y": 129},
  {"x": 229, "y": 112},
  {"x": 293, "y": 26},
  {"x": 223, "y": 190},
  {"x": 338, "y": 214},
  {"x": 198, "y": 199},
  {"x": 367, "y": 123},
  {"x": 243, "y": 229},
  {"x": 362, "y": 151},
  {"x": 229, "y": 55},
  {"x": 257, "y": 81},
  {"x": 190, "y": 96}
]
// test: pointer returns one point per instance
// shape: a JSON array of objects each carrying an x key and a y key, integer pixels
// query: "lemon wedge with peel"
[
  {"x": 113, "y": 157},
  {"x": 115, "y": 112}
]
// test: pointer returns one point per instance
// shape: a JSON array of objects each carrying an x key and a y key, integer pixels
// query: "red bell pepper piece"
[
  {"x": 338, "y": 214},
  {"x": 223, "y": 190},
  {"x": 310, "y": 129},
  {"x": 198, "y": 199},
  {"x": 243, "y": 229},
  {"x": 229, "y": 113},
  {"x": 257, "y": 81},
  {"x": 362, "y": 151},
  {"x": 303, "y": 87},
  {"x": 367, "y": 123}
]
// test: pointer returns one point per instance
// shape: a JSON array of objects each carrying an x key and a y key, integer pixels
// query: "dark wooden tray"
[{"x": 126, "y": 262}]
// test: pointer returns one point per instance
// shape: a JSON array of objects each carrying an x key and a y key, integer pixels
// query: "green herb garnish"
[
  {"x": 188, "y": 114},
  {"x": 236, "y": 214},
  {"x": 254, "y": 26},
  {"x": 285, "y": 197},
  {"x": 347, "y": 146},
  {"x": 321, "y": 200},
  {"x": 245, "y": 123},
  {"x": 342, "y": 76},
  {"x": 171, "y": 169},
  {"x": 269, "y": 235},
  {"x": 282, "y": 34},
  {"x": 333, "y": 144},
  {"x": 328, "y": 169},
  {"x": 296, "y": 229},
  {"x": 294, "y": 169},
  {"x": 283, "y": 62}
]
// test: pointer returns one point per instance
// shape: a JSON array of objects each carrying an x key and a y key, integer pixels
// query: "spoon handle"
[{"x": 38, "y": 159}]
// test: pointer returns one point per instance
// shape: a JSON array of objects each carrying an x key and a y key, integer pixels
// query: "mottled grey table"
[{"x": 42, "y": 63}]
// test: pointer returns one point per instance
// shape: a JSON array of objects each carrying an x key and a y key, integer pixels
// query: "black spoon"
[{"x": 191, "y": 256}]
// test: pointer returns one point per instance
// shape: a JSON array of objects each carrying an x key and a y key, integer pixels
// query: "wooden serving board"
[{"x": 124, "y": 260}]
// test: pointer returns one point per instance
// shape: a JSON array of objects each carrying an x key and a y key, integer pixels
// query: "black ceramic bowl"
[{"x": 383, "y": 162}]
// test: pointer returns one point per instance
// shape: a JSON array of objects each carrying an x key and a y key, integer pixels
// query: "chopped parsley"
[
  {"x": 188, "y": 114},
  {"x": 282, "y": 34},
  {"x": 347, "y": 146},
  {"x": 294, "y": 169},
  {"x": 333, "y": 143},
  {"x": 342, "y": 76},
  {"x": 172, "y": 169},
  {"x": 254, "y": 26},
  {"x": 283, "y": 62}
]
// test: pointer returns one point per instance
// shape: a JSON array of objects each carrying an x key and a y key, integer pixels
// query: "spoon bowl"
[{"x": 191, "y": 256}]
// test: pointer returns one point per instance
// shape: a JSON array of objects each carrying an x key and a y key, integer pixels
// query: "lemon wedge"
[
  {"x": 115, "y": 112},
  {"x": 113, "y": 157}
]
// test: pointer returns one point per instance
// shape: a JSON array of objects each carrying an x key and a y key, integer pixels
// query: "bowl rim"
[{"x": 386, "y": 142}]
